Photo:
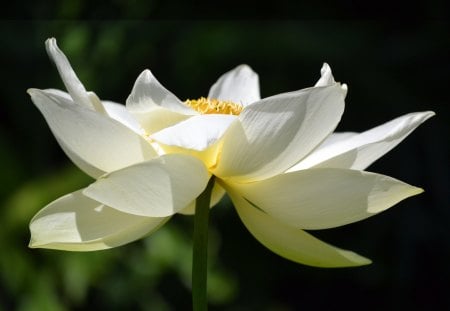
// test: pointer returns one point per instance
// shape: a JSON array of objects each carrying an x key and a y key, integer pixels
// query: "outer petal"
[
  {"x": 77, "y": 223},
  {"x": 292, "y": 243},
  {"x": 114, "y": 110},
  {"x": 157, "y": 188},
  {"x": 93, "y": 138},
  {"x": 361, "y": 150},
  {"x": 154, "y": 106},
  {"x": 325, "y": 198},
  {"x": 196, "y": 133},
  {"x": 70, "y": 79},
  {"x": 276, "y": 132},
  {"x": 85, "y": 166},
  {"x": 240, "y": 85},
  {"x": 336, "y": 137}
]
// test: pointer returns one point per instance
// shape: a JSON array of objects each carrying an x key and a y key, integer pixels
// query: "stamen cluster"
[{"x": 214, "y": 106}]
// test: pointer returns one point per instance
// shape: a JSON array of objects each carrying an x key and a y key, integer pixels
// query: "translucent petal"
[
  {"x": 358, "y": 151},
  {"x": 119, "y": 113},
  {"x": 325, "y": 198},
  {"x": 153, "y": 106},
  {"x": 196, "y": 133},
  {"x": 77, "y": 223},
  {"x": 240, "y": 85},
  {"x": 157, "y": 188},
  {"x": 276, "y": 132},
  {"x": 96, "y": 139},
  {"x": 148, "y": 94},
  {"x": 292, "y": 243}
]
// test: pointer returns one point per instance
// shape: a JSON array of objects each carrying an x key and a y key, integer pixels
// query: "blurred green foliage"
[{"x": 391, "y": 69}]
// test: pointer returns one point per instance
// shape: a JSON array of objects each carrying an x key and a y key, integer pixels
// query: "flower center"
[{"x": 214, "y": 106}]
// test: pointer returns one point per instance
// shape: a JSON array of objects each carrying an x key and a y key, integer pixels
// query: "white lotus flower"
[{"x": 276, "y": 157}]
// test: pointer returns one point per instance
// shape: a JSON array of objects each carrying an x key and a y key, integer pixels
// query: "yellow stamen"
[{"x": 214, "y": 106}]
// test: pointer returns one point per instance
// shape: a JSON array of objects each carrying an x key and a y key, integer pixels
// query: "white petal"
[
  {"x": 85, "y": 166},
  {"x": 327, "y": 197},
  {"x": 196, "y": 133},
  {"x": 70, "y": 79},
  {"x": 94, "y": 138},
  {"x": 59, "y": 93},
  {"x": 120, "y": 113},
  {"x": 292, "y": 243},
  {"x": 358, "y": 151},
  {"x": 148, "y": 94},
  {"x": 217, "y": 194},
  {"x": 157, "y": 188},
  {"x": 158, "y": 119},
  {"x": 153, "y": 106},
  {"x": 276, "y": 132},
  {"x": 240, "y": 85},
  {"x": 77, "y": 223},
  {"x": 95, "y": 103},
  {"x": 336, "y": 137},
  {"x": 326, "y": 78}
]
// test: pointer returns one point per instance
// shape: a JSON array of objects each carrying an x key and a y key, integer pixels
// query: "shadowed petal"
[
  {"x": 292, "y": 243},
  {"x": 325, "y": 198},
  {"x": 157, "y": 188},
  {"x": 77, "y": 223},
  {"x": 96, "y": 139},
  {"x": 276, "y": 132},
  {"x": 119, "y": 113},
  {"x": 358, "y": 151}
]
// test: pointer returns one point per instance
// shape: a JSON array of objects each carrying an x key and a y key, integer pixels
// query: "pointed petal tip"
[
  {"x": 410, "y": 191},
  {"x": 244, "y": 67},
  {"x": 51, "y": 46},
  {"x": 417, "y": 190},
  {"x": 428, "y": 114},
  {"x": 348, "y": 259},
  {"x": 50, "y": 42},
  {"x": 355, "y": 260},
  {"x": 324, "y": 68},
  {"x": 399, "y": 193},
  {"x": 419, "y": 117},
  {"x": 31, "y": 91},
  {"x": 145, "y": 75}
]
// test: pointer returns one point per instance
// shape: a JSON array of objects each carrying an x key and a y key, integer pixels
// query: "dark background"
[{"x": 391, "y": 68}]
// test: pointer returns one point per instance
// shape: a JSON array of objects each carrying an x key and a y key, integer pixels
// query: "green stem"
[{"x": 200, "y": 254}]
